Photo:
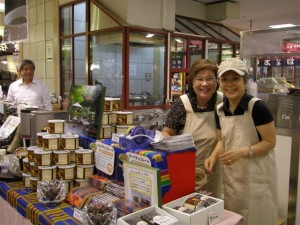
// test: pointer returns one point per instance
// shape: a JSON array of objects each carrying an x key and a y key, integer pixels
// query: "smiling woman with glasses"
[
  {"x": 193, "y": 113},
  {"x": 235, "y": 79},
  {"x": 209, "y": 80},
  {"x": 246, "y": 141}
]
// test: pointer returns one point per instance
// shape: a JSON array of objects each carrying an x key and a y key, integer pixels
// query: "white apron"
[
  {"x": 203, "y": 128},
  {"x": 250, "y": 184}
]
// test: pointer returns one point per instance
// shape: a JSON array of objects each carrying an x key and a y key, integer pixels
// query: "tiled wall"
[{"x": 43, "y": 41}]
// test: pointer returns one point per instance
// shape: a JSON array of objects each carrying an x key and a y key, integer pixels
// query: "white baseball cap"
[{"x": 233, "y": 64}]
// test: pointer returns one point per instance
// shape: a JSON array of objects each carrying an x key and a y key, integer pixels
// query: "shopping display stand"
[{"x": 177, "y": 168}]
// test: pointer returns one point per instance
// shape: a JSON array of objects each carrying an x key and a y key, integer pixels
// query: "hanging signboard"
[
  {"x": 15, "y": 21},
  {"x": 279, "y": 62}
]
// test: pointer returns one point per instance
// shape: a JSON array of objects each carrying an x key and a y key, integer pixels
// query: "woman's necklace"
[{"x": 201, "y": 106}]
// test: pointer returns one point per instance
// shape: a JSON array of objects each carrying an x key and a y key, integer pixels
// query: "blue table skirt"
[{"x": 26, "y": 203}]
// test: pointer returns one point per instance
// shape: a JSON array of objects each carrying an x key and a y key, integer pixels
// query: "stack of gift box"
[{"x": 57, "y": 155}]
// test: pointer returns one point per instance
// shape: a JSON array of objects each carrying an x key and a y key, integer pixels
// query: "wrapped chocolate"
[
  {"x": 53, "y": 191},
  {"x": 99, "y": 213}
]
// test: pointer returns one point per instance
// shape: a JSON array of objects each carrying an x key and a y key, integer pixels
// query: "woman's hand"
[
  {"x": 231, "y": 156},
  {"x": 209, "y": 164},
  {"x": 211, "y": 160}
]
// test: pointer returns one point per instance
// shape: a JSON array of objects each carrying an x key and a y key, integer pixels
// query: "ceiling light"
[
  {"x": 282, "y": 25},
  {"x": 178, "y": 40},
  {"x": 149, "y": 35}
]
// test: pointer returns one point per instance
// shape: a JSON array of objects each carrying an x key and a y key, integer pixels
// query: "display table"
[
  {"x": 9, "y": 215},
  {"x": 22, "y": 207},
  {"x": 176, "y": 168},
  {"x": 9, "y": 177},
  {"x": 25, "y": 202}
]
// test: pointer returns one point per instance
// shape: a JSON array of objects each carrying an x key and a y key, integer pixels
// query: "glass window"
[
  {"x": 73, "y": 49},
  {"x": 66, "y": 65},
  {"x": 196, "y": 50},
  {"x": 106, "y": 61},
  {"x": 66, "y": 21},
  {"x": 100, "y": 20},
  {"x": 288, "y": 73},
  {"x": 178, "y": 52},
  {"x": 146, "y": 68},
  {"x": 237, "y": 52},
  {"x": 79, "y": 18},
  {"x": 227, "y": 51},
  {"x": 214, "y": 52},
  {"x": 79, "y": 61}
]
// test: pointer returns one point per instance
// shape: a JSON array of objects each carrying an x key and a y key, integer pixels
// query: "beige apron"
[
  {"x": 250, "y": 184},
  {"x": 203, "y": 128}
]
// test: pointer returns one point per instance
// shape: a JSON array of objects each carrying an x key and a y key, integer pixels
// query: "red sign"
[{"x": 290, "y": 47}]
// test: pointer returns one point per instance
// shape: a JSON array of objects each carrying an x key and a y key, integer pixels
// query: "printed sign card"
[{"x": 142, "y": 184}]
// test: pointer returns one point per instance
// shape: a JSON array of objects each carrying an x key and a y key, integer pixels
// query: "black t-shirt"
[{"x": 261, "y": 114}]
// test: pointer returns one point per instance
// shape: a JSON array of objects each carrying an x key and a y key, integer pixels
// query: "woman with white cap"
[{"x": 246, "y": 141}]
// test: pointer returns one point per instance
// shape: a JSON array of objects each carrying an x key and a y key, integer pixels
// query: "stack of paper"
[{"x": 175, "y": 143}]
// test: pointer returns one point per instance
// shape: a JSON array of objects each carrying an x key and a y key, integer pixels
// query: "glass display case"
[
  {"x": 273, "y": 55},
  {"x": 273, "y": 59}
]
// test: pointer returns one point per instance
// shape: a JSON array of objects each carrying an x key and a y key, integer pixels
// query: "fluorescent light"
[
  {"x": 2, "y": 7},
  {"x": 282, "y": 25},
  {"x": 178, "y": 40},
  {"x": 149, "y": 35}
]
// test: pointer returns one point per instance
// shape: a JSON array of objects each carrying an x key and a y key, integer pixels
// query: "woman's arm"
[
  {"x": 268, "y": 140},
  {"x": 267, "y": 143},
  {"x": 214, "y": 157},
  {"x": 167, "y": 131}
]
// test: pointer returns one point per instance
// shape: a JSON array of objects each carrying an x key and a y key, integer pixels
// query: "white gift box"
[
  {"x": 206, "y": 216},
  {"x": 168, "y": 219}
]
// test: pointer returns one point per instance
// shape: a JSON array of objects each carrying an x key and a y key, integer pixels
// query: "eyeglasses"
[
  {"x": 224, "y": 80},
  {"x": 209, "y": 80}
]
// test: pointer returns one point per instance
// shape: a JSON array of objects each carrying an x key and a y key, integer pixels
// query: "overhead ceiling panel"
[{"x": 204, "y": 28}]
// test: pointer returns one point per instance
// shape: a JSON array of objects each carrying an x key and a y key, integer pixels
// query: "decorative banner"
[
  {"x": 15, "y": 21},
  {"x": 279, "y": 62}
]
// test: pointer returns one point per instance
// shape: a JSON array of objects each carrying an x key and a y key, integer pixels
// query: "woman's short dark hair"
[
  {"x": 200, "y": 64},
  {"x": 245, "y": 78},
  {"x": 26, "y": 62}
]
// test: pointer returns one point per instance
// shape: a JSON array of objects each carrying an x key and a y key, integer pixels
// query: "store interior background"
[{"x": 43, "y": 26}]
